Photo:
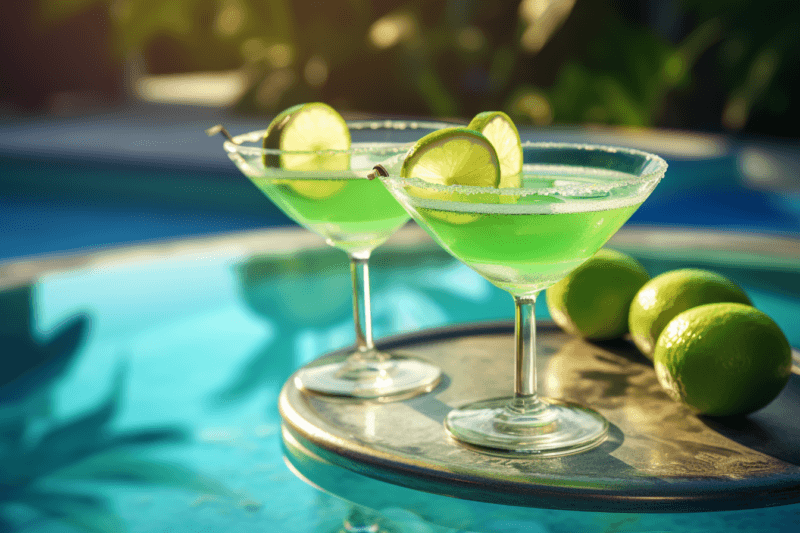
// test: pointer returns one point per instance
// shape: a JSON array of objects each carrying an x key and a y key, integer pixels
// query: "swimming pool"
[{"x": 157, "y": 406}]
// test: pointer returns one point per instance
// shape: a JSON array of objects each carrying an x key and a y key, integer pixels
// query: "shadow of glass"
[
  {"x": 614, "y": 377},
  {"x": 605, "y": 374},
  {"x": 773, "y": 430}
]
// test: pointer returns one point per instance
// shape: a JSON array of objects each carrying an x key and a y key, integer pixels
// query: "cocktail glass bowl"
[{"x": 572, "y": 199}]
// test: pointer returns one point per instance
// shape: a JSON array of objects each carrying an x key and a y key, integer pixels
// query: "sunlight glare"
[
  {"x": 543, "y": 18},
  {"x": 211, "y": 89},
  {"x": 390, "y": 30},
  {"x": 316, "y": 71},
  {"x": 230, "y": 18}
]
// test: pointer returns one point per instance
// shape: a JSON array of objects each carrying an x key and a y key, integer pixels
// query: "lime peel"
[
  {"x": 310, "y": 137},
  {"x": 594, "y": 299},
  {"x": 669, "y": 294},
  {"x": 453, "y": 156},
  {"x": 504, "y": 136}
]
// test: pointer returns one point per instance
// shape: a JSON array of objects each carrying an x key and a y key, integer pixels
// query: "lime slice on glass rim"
[
  {"x": 502, "y": 133},
  {"x": 309, "y": 135},
  {"x": 452, "y": 156}
]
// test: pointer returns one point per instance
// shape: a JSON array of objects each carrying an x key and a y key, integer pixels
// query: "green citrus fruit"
[
  {"x": 723, "y": 359},
  {"x": 502, "y": 133},
  {"x": 594, "y": 299},
  {"x": 453, "y": 156},
  {"x": 665, "y": 296},
  {"x": 310, "y": 136}
]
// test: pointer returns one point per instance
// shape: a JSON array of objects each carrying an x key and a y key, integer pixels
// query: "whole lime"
[
  {"x": 449, "y": 157},
  {"x": 723, "y": 359},
  {"x": 594, "y": 299},
  {"x": 665, "y": 296}
]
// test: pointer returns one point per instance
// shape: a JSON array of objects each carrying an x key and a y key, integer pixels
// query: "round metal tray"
[{"x": 659, "y": 457}]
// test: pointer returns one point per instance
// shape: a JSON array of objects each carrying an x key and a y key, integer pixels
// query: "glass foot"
[
  {"x": 551, "y": 428},
  {"x": 378, "y": 376},
  {"x": 358, "y": 521}
]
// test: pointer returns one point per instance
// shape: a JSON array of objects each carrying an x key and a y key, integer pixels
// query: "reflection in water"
[
  {"x": 30, "y": 364},
  {"x": 302, "y": 291},
  {"x": 42, "y": 457},
  {"x": 362, "y": 520},
  {"x": 338, "y": 515},
  {"x": 309, "y": 291}
]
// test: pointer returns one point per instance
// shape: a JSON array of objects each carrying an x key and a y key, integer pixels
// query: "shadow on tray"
[{"x": 773, "y": 430}]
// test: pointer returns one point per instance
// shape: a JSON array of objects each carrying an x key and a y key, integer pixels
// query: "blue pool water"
[{"x": 201, "y": 338}]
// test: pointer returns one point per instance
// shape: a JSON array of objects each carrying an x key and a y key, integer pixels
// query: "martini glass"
[
  {"x": 355, "y": 214},
  {"x": 573, "y": 198}
]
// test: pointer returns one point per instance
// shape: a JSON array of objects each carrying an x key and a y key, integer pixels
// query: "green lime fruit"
[
  {"x": 312, "y": 137},
  {"x": 665, "y": 296},
  {"x": 594, "y": 299},
  {"x": 723, "y": 359},
  {"x": 504, "y": 136},
  {"x": 453, "y": 156}
]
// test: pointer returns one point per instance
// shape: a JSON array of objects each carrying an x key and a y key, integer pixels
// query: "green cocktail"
[
  {"x": 351, "y": 214},
  {"x": 326, "y": 190},
  {"x": 572, "y": 199},
  {"x": 527, "y": 242}
]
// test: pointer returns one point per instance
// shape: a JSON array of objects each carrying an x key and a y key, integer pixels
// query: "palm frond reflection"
[{"x": 44, "y": 456}]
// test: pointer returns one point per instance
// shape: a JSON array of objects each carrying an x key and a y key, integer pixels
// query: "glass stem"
[
  {"x": 362, "y": 315},
  {"x": 526, "y": 398},
  {"x": 358, "y": 521}
]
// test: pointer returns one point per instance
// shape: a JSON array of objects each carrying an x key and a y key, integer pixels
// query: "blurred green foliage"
[
  {"x": 542, "y": 61},
  {"x": 756, "y": 61}
]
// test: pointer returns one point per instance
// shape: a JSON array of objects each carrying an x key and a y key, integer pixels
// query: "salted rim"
[
  {"x": 576, "y": 190},
  {"x": 240, "y": 146}
]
